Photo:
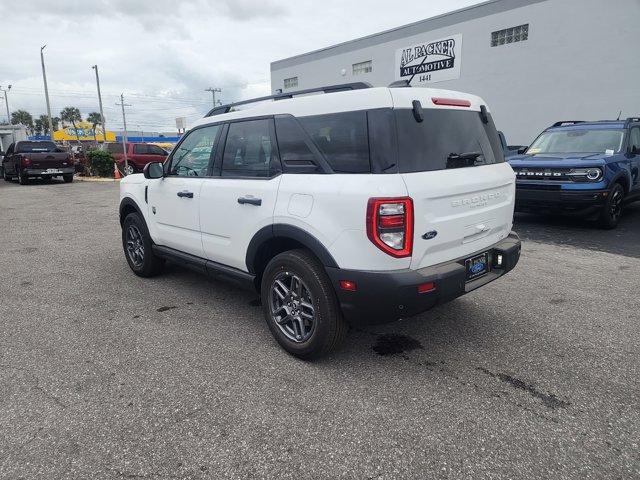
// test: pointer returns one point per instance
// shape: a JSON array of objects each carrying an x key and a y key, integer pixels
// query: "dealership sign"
[{"x": 429, "y": 62}]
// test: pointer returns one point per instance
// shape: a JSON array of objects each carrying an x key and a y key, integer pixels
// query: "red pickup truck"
[
  {"x": 138, "y": 155},
  {"x": 30, "y": 159}
]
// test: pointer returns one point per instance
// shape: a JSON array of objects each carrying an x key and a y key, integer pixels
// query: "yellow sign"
[{"x": 84, "y": 132}]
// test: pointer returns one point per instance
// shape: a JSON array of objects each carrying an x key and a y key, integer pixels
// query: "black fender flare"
[
  {"x": 281, "y": 230},
  {"x": 624, "y": 176},
  {"x": 128, "y": 202}
]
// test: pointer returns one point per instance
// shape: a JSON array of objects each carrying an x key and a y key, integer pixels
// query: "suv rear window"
[
  {"x": 445, "y": 139},
  {"x": 342, "y": 138},
  {"x": 36, "y": 147}
]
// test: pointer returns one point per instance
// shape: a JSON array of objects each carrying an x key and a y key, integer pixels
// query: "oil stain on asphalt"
[
  {"x": 164, "y": 309},
  {"x": 549, "y": 400},
  {"x": 393, "y": 344}
]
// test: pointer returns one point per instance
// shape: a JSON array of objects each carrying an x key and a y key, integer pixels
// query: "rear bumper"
[
  {"x": 383, "y": 297},
  {"x": 578, "y": 202},
  {"x": 38, "y": 172}
]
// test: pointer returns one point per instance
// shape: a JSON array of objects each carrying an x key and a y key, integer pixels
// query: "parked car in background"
[
  {"x": 358, "y": 207},
  {"x": 582, "y": 168},
  {"x": 509, "y": 150},
  {"x": 29, "y": 159},
  {"x": 138, "y": 155}
]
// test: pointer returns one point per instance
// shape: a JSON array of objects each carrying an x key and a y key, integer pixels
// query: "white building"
[
  {"x": 11, "y": 133},
  {"x": 533, "y": 61}
]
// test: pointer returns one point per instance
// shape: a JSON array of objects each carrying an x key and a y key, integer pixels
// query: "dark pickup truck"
[{"x": 30, "y": 159}]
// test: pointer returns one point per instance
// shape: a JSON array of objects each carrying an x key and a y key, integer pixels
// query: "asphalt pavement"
[{"x": 107, "y": 375}]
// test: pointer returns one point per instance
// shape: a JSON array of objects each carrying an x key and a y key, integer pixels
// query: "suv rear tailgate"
[{"x": 463, "y": 211}]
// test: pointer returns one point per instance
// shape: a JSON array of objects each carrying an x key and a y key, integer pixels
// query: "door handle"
[
  {"x": 185, "y": 194},
  {"x": 250, "y": 201}
]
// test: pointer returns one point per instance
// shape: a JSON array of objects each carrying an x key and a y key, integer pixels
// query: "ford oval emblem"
[
  {"x": 478, "y": 267},
  {"x": 430, "y": 235}
]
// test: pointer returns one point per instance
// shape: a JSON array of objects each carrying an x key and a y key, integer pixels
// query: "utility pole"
[
  {"x": 213, "y": 92},
  {"x": 104, "y": 126},
  {"x": 46, "y": 91},
  {"x": 6, "y": 102},
  {"x": 124, "y": 132}
]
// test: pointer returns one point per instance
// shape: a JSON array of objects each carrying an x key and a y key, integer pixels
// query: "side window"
[
  {"x": 342, "y": 138},
  {"x": 191, "y": 157},
  {"x": 155, "y": 150},
  {"x": 248, "y": 150},
  {"x": 634, "y": 139},
  {"x": 140, "y": 149},
  {"x": 295, "y": 154},
  {"x": 115, "y": 148}
]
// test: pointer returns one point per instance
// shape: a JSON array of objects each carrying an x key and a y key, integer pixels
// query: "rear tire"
[
  {"x": 130, "y": 169},
  {"x": 137, "y": 246},
  {"x": 23, "y": 179},
  {"x": 67, "y": 178},
  {"x": 7, "y": 178},
  {"x": 613, "y": 207},
  {"x": 303, "y": 315}
]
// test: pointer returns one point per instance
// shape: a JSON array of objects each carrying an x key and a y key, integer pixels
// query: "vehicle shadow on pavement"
[{"x": 575, "y": 232}]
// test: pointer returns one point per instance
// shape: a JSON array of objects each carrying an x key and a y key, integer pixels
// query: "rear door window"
[
  {"x": 141, "y": 149},
  {"x": 248, "y": 150},
  {"x": 446, "y": 139},
  {"x": 342, "y": 139}
]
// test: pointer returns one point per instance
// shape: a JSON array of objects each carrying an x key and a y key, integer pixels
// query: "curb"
[{"x": 95, "y": 179}]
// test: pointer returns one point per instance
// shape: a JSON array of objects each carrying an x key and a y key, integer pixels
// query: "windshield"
[
  {"x": 36, "y": 147},
  {"x": 577, "y": 141}
]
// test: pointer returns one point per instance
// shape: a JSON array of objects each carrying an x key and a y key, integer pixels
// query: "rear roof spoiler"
[{"x": 566, "y": 122}]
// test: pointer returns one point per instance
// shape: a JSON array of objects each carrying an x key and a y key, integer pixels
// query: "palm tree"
[
  {"x": 55, "y": 121},
  {"x": 23, "y": 117},
  {"x": 94, "y": 118},
  {"x": 71, "y": 114},
  {"x": 44, "y": 121},
  {"x": 39, "y": 127}
]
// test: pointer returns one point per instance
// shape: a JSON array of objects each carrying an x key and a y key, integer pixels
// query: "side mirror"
[
  {"x": 522, "y": 150},
  {"x": 153, "y": 170}
]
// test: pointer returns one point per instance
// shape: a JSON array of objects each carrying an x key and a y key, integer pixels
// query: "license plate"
[
  {"x": 477, "y": 266},
  {"x": 52, "y": 170}
]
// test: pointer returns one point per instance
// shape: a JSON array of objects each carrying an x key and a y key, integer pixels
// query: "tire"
[
  {"x": 23, "y": 179},
  {"x": 130, "y": 169},
  {"x": 292, "y": 300},
  {"x": 137, "y": 246},
  {"x": 7, "y": 178},
  {"x": 67, "y": 178},
  {"x": 613, "y": 207}
]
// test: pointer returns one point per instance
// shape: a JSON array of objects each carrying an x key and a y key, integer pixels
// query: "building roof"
[{"x": 472, "y": 12}]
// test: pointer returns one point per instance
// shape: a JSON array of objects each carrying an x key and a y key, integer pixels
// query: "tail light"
[
  {"x": 451, "y": 102},
  {"x": 390, "y": 225},
  {"x": 25, "y": 161}
]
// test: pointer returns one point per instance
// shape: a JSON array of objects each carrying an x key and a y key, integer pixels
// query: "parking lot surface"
[{"x": 106, "y": 375}]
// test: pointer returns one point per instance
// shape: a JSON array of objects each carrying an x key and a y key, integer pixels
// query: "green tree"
[
  {"x": 56, "y": 122},
  {"x": 39, "y": 127},
  {"x": 23, "y": 117},
  {"x": 43, "y": 121},
  {"x": 71, "y": 115},
  {"x": 94, "y": 118}
]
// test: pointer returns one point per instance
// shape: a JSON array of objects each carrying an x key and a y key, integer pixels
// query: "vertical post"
[
  {"x": 104, "y": 125},
  {"x": 46, "y": 91},
  {"x": 213, "y": 93},
  {"x": 6, "y": 102},
  {"x": 124, "y": 135}
]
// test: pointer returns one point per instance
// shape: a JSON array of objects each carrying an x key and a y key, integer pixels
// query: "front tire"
[
  {"x": 300, "y": 305},
  {"x": 7, "y": 178},
  {"x": 137, "y": 245},
  {"x": 613, "y": 207}
]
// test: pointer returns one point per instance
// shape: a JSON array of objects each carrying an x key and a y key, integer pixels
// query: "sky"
[{"x": 163, "y": 54}]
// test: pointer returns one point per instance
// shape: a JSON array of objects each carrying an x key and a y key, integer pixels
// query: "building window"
[
  {"x": 510, "y": 35},
  {"x": 291, "y": 82},
  {"x": 362, "y": 67}
]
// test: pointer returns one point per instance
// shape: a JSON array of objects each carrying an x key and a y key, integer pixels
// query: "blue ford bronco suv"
[{"x": 589, "y": 169}]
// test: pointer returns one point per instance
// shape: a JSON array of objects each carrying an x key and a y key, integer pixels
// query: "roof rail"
[
  {"x": 281, "y": 96},
  {"x": 631, "y": 120},
  {"x": 566, "y": 122}
]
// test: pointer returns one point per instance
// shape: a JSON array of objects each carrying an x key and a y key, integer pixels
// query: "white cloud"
[{"x": 162, "y": 54}]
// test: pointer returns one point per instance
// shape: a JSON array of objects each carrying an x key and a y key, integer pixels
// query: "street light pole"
[
  {"x": 46, "y": 91},
  {"x": 6, "y": 102},
  {"x": 104, "y": 126},
  {"x": 213, "y": 92}
]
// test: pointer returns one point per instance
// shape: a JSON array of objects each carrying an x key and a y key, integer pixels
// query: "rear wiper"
[{"x": 461, "y": 160}]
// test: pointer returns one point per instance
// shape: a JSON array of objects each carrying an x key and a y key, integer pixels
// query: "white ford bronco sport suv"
[{"x": 344, "y": 204}]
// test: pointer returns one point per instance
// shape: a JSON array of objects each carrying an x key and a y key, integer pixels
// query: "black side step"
[{"x": 207, "y": 267}]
